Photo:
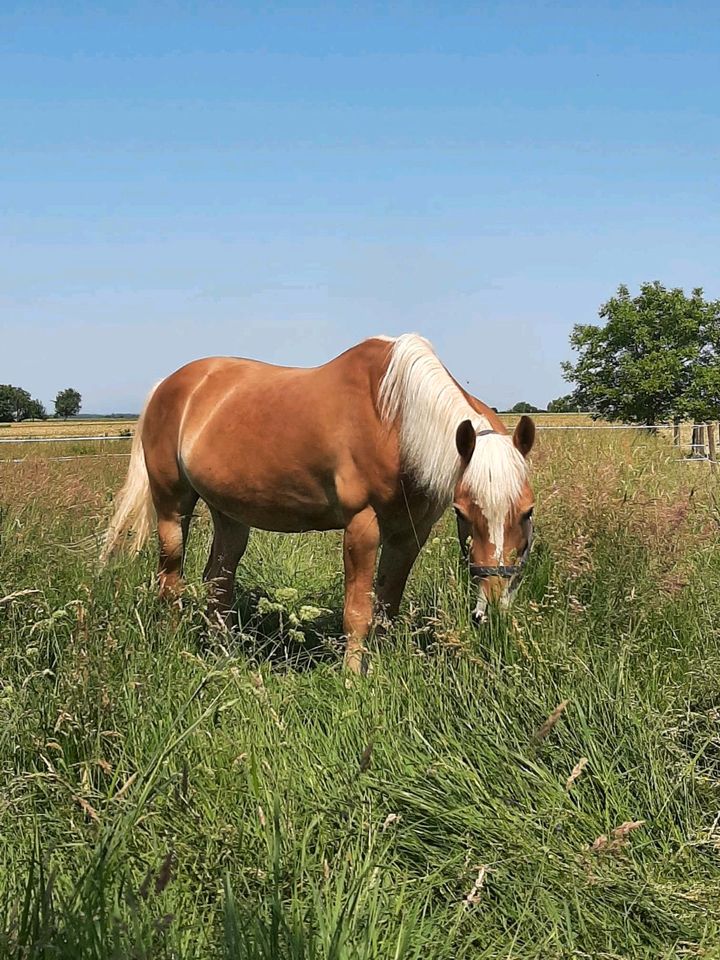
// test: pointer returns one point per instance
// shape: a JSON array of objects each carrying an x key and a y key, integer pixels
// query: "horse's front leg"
[
  {"x": 399, "y": 553},
  {"x": 362, "y": 538}
]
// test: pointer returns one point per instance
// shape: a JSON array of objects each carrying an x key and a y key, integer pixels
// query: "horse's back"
[{"x": 283, "y": 447}]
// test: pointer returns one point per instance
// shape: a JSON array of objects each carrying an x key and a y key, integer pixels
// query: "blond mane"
[{"x": 418, "y": 394}]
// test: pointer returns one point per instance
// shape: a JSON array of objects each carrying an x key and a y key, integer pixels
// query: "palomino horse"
[{"x": 378, "y": 442}]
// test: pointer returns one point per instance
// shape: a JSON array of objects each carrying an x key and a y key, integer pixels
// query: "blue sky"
[{"x": 282, "y": 180}]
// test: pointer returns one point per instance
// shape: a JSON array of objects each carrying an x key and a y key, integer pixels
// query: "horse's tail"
[{"x": 134, "y": 510}]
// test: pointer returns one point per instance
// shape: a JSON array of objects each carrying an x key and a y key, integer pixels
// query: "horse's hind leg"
[
  {"x": 173, "y": 525},
  {"x": 228, "y": 546}
]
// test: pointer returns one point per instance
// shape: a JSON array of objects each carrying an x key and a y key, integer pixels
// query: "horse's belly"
[
  {"x": 271, "y": 503},
  {"x": 279, "y": 518}
]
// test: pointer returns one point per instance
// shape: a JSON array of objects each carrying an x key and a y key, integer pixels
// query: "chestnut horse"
[{"x": 378, "y": 442}]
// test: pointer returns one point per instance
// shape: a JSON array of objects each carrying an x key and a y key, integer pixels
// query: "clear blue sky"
[{"x": 281, "y": 180}]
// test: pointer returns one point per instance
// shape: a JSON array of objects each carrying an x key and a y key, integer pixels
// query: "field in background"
[
  {"x": 167, "y": 792},
  {"x": 67, "y": 428},
  {"x": 113, "y": 427}
]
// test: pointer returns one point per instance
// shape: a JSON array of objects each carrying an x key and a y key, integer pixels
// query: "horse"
[{"x": 377, "y": 442}]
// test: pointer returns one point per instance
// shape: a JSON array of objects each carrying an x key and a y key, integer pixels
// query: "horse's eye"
[{"x": 527, "y": 515}]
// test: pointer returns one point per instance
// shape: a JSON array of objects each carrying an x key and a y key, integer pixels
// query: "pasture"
[
  {"x": 544, "y": 787},
  {"x": 74, "y": 427}
]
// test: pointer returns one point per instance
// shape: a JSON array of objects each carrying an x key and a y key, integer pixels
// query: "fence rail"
[
  {"x": 100, "y": 436},
  {"x": 703, "y": 437}
]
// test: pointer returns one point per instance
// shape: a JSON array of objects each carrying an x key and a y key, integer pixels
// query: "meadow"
[
  {"x": 545, "y": 787},
  {"x": 74, "y": 427}
]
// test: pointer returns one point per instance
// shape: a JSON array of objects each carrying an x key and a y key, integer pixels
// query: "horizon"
[{"x": 281, "y": 183}]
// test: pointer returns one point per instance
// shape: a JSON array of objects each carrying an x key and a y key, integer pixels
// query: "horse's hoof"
[{"x": 358, "y": 662}]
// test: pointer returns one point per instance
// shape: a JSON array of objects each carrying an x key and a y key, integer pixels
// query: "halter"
[{"x": 506, "y": 571}]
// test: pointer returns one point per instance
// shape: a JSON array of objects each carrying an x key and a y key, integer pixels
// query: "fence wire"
[{"x": 696, "y": 457}]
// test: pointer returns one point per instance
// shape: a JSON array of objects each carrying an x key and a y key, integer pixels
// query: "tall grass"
[{"x": 167, "y": 792}]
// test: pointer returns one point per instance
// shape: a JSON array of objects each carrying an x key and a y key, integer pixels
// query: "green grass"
[{"x": 167, "y": 793}]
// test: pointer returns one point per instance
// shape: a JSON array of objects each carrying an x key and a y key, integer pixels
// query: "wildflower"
[
  {"x": 308, "y": 612},
  {"x": 286, "y": 594},
  {"x": 268, "y": 606}
]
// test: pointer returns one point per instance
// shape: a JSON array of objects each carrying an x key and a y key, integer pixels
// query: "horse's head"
[{"x": 494, "y": 504}]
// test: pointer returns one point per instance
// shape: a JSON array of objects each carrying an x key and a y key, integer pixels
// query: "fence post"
[
  {"x": 676, "y": 434},
  {"x": 697, "y": 450},
  {"x": 711, "y": 446}
]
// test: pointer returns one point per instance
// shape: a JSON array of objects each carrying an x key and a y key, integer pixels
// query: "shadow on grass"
[
  {"x": 272, "y": 632},
  {"x": 275, "y": 627}
]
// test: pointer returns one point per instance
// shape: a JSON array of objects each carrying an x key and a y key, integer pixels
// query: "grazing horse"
[{"x": 378, "y": 442}]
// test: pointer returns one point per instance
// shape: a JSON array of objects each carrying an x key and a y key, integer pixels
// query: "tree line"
[{"x": 16, "y": 404}]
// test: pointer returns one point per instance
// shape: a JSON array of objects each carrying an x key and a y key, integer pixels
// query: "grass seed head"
[
  {"x": 548, "y": 726},
  {"x": 366, "y": 758},
  {"x": 473, "y": 896},
  {"x": 576, "y": 772},
  {"x": 164, "y": 875},
  {"x": 390, "y": 819},
  {"x": 619, "y": 838}
]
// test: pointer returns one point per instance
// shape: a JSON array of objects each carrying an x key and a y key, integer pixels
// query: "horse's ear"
[
  {"x": 524, "y": 435},
  {"x": 465, "y": 440}
]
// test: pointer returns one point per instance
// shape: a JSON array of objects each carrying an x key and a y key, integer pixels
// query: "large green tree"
[
  {"x": 67, "y": 403},
  {"x": 701, "y": 400},
  {"x": 644, "y": 364}
]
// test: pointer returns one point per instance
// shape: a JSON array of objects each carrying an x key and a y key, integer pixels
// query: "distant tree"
[
  {"x": 564, "y": 404},
  {"x": 641, "y": 365},
  {"x": 23, "y": 404},
  {"x": 36, "y": 411},
  {"x": 524, "y": 407},
  {"x": 67, "y": 403},
  {"x": 16, "y": 404},
  {"x": 7, "y": 403}
]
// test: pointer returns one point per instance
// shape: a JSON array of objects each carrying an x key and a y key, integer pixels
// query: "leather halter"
[{"x": 506, "y": 571}]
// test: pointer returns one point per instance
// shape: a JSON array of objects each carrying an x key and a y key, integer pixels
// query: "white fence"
[
  {"x": 81, "y": 456},
  {"x": 703, "y": 445}
]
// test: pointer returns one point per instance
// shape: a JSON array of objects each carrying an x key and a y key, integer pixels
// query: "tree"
[
  {"x": 67, "y": 403},
  {"x": 7, "y": 403},
  {"x": 641, "y": 366},
  {"x": 524, "y": 407},
  {"x": 16, "y": 404},
  {"x": 36, "y": 410},
  {"x": 701, "y": 400},
  {"x": 564, "y": 404}
]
